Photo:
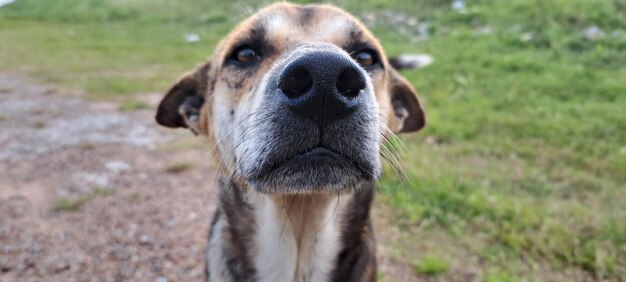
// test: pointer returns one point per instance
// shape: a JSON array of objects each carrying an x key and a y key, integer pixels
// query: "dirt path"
[
  {"x": 136, "y": 222},
  {"x": 88, "y": 193}
]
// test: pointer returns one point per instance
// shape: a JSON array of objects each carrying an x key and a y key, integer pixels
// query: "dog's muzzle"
[{"x": 317, "y": 129}]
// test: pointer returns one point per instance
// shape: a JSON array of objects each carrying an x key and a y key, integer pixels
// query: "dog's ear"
[
  {"x": 408, "y": 113},
  {"x": 183, "y": 102}
]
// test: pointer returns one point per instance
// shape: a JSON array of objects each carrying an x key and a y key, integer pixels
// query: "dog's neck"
[{"x": 300, "y": 236}]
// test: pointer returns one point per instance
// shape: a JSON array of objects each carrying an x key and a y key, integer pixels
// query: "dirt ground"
[
  {"x": 138, "y": 221},
  {"x": 89, "y": 193}
]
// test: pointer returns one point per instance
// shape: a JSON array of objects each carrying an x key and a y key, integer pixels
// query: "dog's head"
[{"x": 298, "y": 99}]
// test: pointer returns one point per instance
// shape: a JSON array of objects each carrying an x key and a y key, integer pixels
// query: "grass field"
[{"x": 521, "y": 171}]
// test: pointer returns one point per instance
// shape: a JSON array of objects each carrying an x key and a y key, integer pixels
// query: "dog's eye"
[
  {"x": 365, "y": 58},
  {"x": 246, "y": 55}
]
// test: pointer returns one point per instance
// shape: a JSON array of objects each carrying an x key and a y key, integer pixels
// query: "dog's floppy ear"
[
  {"x": 408, "y": 113},
  {"x": 182, "y": 103}
]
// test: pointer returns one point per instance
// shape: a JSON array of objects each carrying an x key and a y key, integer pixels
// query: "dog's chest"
[{"x": 294, "y": 246}]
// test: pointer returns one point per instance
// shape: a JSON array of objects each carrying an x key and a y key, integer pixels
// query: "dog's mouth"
[
  {"x": 314, "y": 170},
  {"x": 319, "y": 156}
]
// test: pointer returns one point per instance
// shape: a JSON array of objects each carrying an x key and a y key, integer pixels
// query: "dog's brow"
[
  {"x": 306, "y": 14},
  {"x": 258, "y": 31},
  {"x": 274, "y": 22},
  {"x": 309, "y": 23},
  {"x": 337, "y": 25}
]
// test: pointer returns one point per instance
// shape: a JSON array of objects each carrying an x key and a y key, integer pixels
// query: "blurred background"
[{"x": 519, "y": 175}]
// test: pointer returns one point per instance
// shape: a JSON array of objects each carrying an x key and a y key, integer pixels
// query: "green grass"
[
  {"x": 179, "y": 167},
  {"x": 431, "y": 265},
  {"x": 103, "y": 191},
  {"x": 67, "y": 205},
  {"x": 39, "y": 124},
  {"x": 135, "y": 196},
  {"x": 499, "y": 277},
  {"x": 132, "y": 105},
  {"x": 72, "y": 205},
  {"x": 520, "y": 172}
]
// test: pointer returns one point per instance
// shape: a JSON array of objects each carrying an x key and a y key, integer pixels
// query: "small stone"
[
  {"x": 417, "y": 61},
  {"x": 432, "y": 140},
  {"x": 36, "y": 248},
  {"x": 134, "y": 259},
  {"x": 117, "y": 166},
  {"x": 92, "y": 179},
  {"x": 411, "y": 22},
  {"x": 528, "y": 36},
  {"x": 485, "y": 30},
  {"x": 157, "y": 266},
  {"x": 5, "y": 264},
  {"x": 593, "y": 32},
  {"x": 170, "y": 223},
  {"x": 192, "y": 37},
  {"x": 458, "y": 5},
  {"x": 144, "y": 239},
  {"x": 193, "y": 274},
  {"x": 423, "y": 30},
  {"x": 61, "y": 266}
]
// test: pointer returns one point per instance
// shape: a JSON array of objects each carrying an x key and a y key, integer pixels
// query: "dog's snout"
[{"x": 322, "y": 86}]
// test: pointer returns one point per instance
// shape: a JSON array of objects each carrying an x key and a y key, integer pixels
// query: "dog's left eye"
[
  {"x": 365, "y": 58},
  {"x": 246, "y": 55}
]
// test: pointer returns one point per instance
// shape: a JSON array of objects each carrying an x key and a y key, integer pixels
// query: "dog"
[{"x": 298, "y": 101}]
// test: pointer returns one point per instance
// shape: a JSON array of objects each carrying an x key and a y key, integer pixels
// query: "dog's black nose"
[
  {"x": 296, "y": 82},
  {"x": 322, "y": 86}
]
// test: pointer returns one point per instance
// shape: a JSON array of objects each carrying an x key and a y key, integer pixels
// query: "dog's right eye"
[{"x": 246, "y": 55}]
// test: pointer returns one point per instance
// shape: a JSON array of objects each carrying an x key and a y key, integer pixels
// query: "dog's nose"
[{"x": 322, "y": 86}]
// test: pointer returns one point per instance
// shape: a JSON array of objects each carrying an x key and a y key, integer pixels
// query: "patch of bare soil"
[{"x": 85, "y": 192}]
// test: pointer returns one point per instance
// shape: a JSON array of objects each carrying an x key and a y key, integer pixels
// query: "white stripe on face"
[{"x": 276, "y": 22}]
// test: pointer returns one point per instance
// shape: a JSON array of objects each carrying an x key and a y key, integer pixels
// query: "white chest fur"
[{"x": 298, "y": 237}]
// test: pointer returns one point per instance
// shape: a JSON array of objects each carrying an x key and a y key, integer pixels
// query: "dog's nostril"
[
  {"x": 296, "y": 83},
  {"x": 350, "y": 83}
]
